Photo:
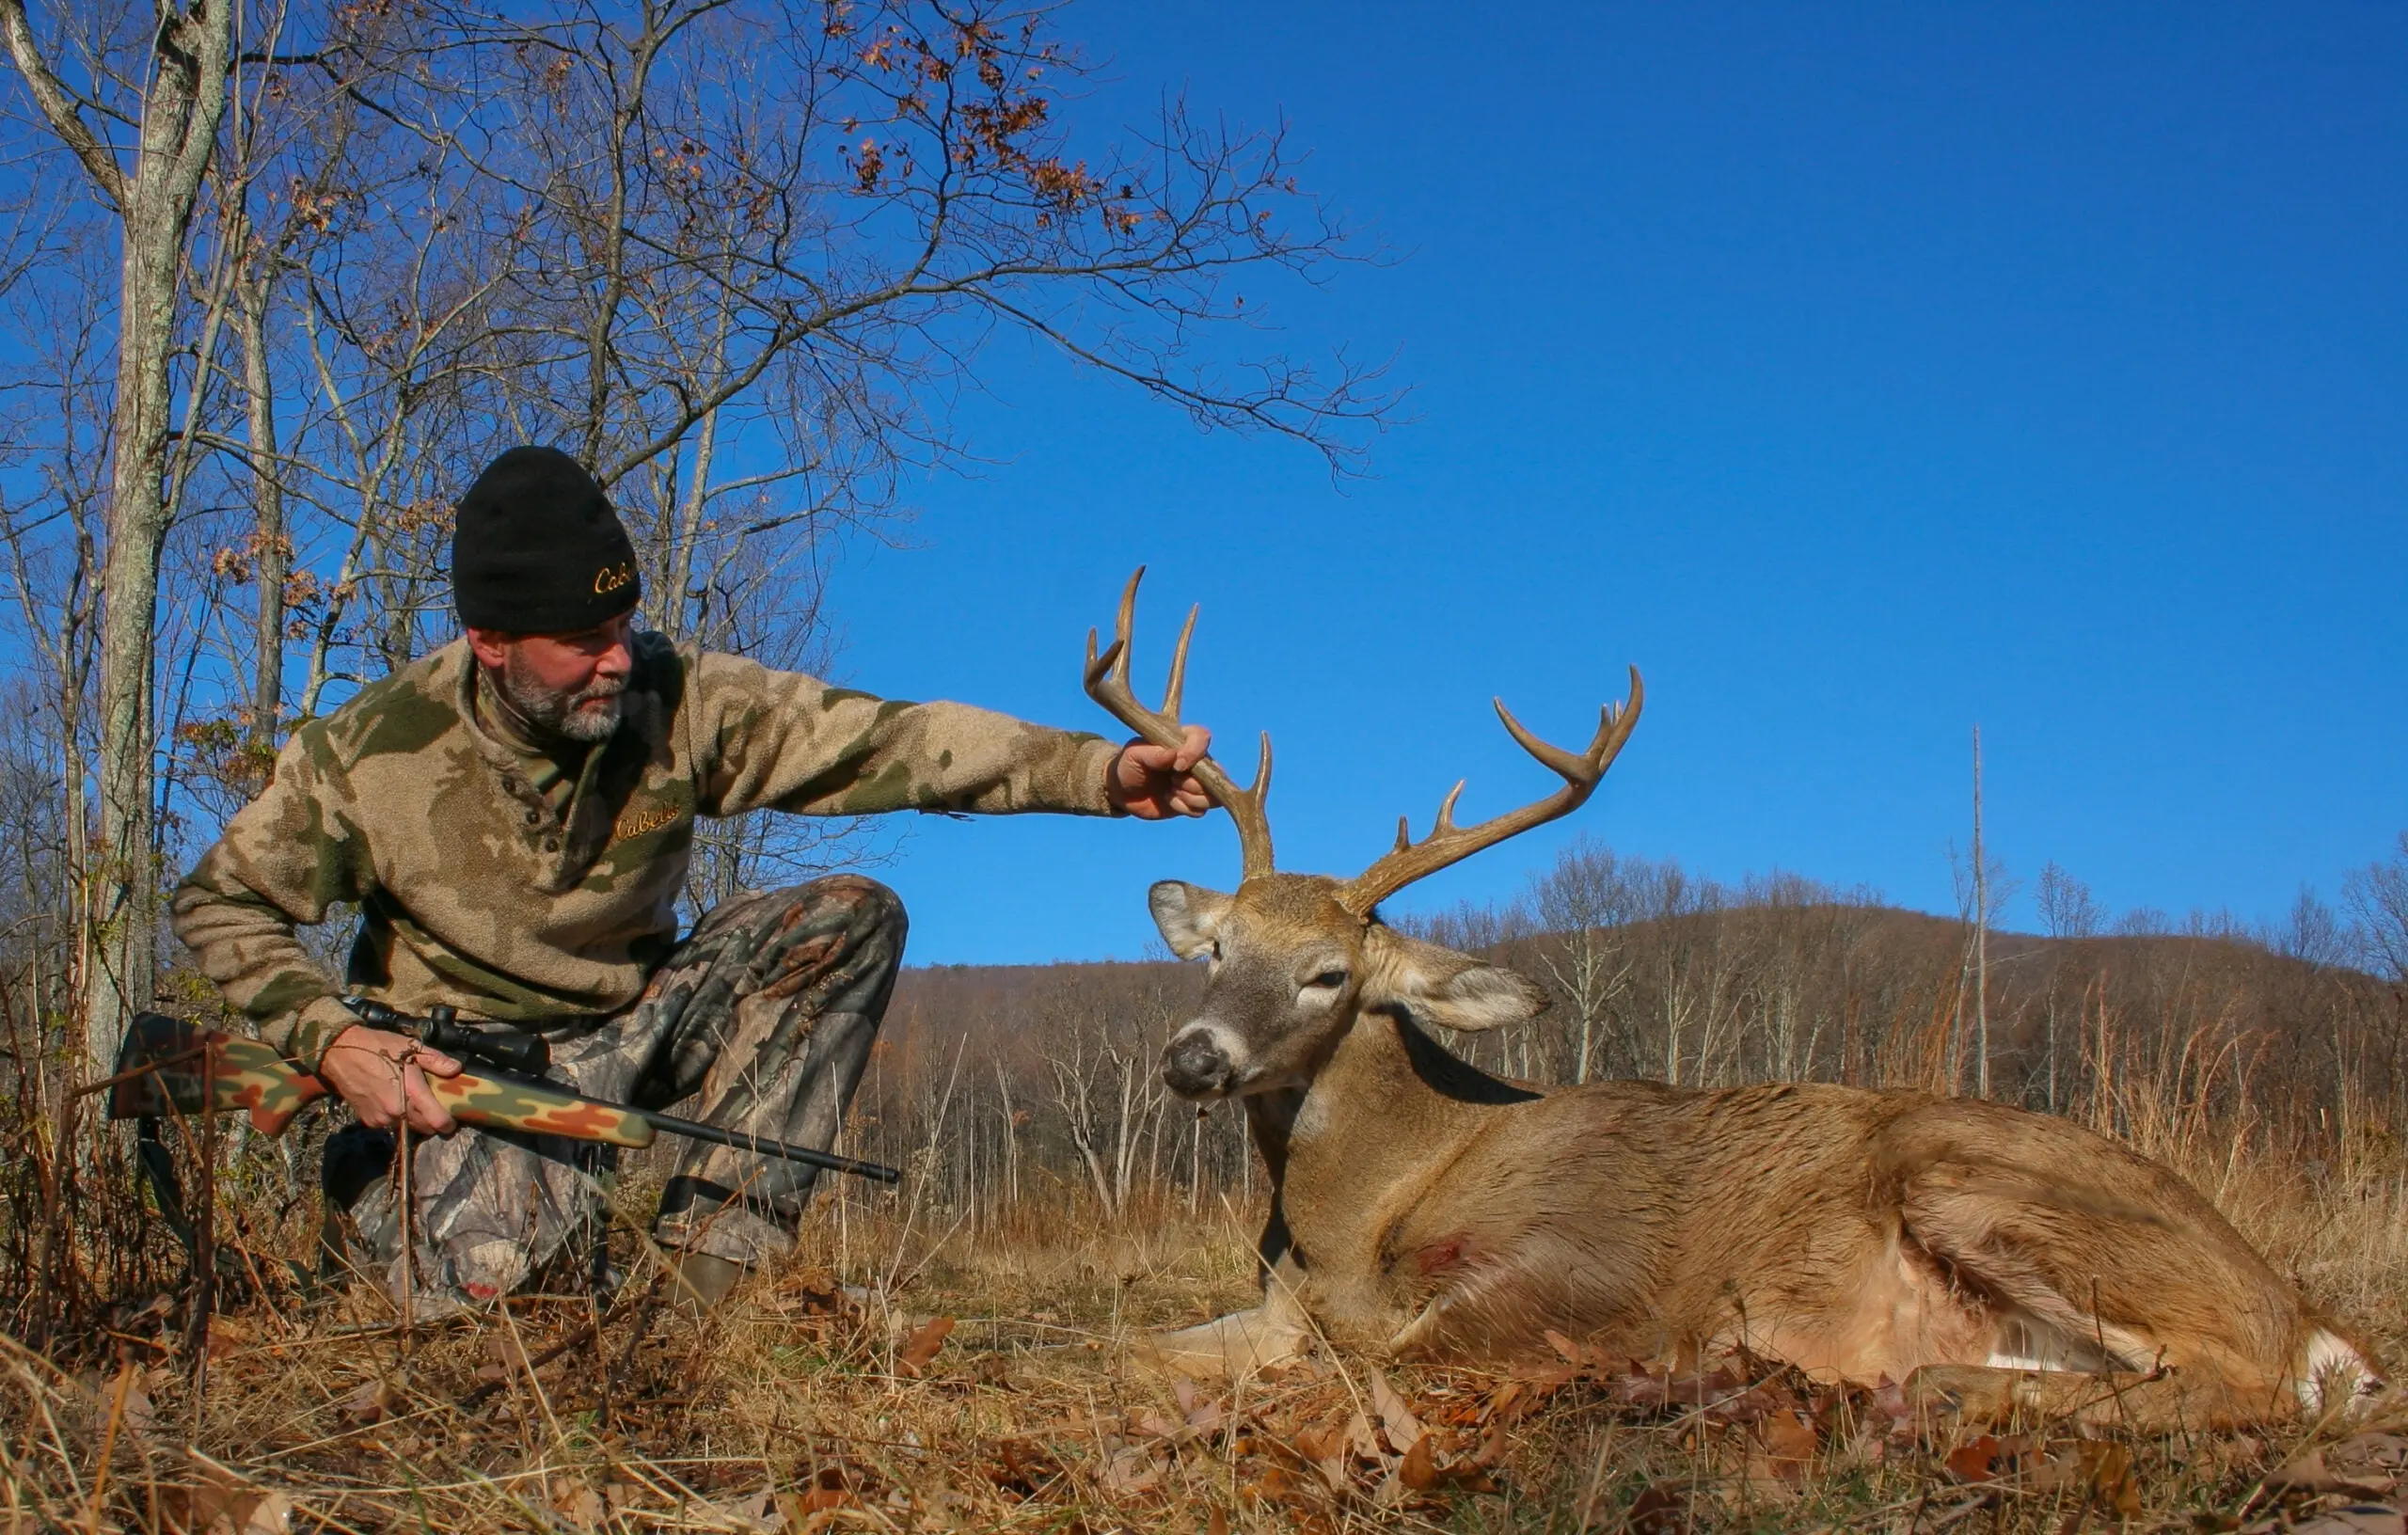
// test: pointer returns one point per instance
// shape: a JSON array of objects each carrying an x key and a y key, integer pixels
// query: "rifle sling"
[{"x": 159, "y": 1170}]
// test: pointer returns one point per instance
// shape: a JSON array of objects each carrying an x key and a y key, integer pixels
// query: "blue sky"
[{"x": 1862, "y": 373}]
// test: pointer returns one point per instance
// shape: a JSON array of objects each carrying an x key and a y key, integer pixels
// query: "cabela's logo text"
[
  {"x": 635, "y": 823},
  {"x": 612, "y": 578}
]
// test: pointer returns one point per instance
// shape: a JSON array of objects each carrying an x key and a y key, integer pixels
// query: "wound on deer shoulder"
[{"x": 1450, "y": 1252}]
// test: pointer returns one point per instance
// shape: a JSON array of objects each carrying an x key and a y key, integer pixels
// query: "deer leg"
[
  {"x": 1989, "y": 1397},
  {"x": 1261, "y": 1338},
  {"x": 2052, "y": 1357},
  {"x": 1240, "y": 1343}
]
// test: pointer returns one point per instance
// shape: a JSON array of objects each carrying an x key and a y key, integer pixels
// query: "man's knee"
[{"x": 860, "y": 903}]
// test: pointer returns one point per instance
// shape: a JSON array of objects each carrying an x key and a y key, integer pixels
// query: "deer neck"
[
  {"x": 1390, "y": 1099},
  {"x": 1357, "y": 1145},
  {"x": 1271, "y": 1120}
]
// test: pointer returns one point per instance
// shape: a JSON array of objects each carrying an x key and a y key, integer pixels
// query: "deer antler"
[
  {"x": 1107, "y": 682},
  {"x": 1449, "y": 843}
]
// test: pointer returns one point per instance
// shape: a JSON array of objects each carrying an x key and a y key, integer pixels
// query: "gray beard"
[{"x": 561, "y": 714}]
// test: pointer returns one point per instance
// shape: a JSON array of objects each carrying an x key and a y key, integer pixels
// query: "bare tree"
[
  {"x": 737, "y": 252},
  {"x": 2066, "y": 912},
  {"x": 2377, "y": 898},
  {"x": 2142, "y": 922},
  {"x": 1581, "y": 899},
  {"x": 1981, "y": 936},
  {"x": 53, "y": 536},
  {"x": 1099, "y": 1092},
  {"x": 1983, "y": 885},
  {"x": 2067, "y": 909},
  {"x": 2312, "y": 932},
  {"x": 734, "y": 253},
  {"x": 171, "y": 86}
]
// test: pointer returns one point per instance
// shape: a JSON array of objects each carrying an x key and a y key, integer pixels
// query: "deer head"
[{"x": 1294, "y": 958}]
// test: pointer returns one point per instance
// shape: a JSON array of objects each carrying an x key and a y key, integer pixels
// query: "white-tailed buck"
[{"x": 1423, "y": 1207}]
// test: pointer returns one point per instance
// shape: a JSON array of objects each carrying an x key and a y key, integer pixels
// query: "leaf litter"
[{"x": 817, "y": 1405}]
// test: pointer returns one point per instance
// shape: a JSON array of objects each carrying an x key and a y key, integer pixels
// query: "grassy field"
[{"x": 901, "y": 1376}]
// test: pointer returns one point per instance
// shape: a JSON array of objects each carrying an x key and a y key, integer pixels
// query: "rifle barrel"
[{"x": 695, "y": 1130}]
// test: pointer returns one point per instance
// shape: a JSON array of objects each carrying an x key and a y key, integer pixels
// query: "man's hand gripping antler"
[{"x": 1155, "y": 782}]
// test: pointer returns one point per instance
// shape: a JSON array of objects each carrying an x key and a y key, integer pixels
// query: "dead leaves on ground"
[
  {"x": 377, "y": 1399},
  {"x": 2372, "y": 1464},
  {"x": 1320, "y": 1443},
  {"x": 2354, "y": 1519},
  {"x": 220, "y": 1505},
  {"x": 932, "y": 1426},
  {"x": 2358, "y": 1486},
  {"x": 2099, "y": 1470},
  {"x": 1308, "y": 1441},
  {"x": 920, "y": 1349},
  {"x": 1778, "y": 1430}
]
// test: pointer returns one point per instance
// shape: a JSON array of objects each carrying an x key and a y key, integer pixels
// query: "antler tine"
[
  {"x": 1247, "y": 808},
  {"x": 1179, "y": 665},
  {"x": 1446, "y": 821},
  {"x": 1107, "y": 682},
  {"x": 1449, "y": 843}
]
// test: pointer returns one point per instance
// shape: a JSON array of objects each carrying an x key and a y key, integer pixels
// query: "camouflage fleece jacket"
[{"x": 514, "y": 885}]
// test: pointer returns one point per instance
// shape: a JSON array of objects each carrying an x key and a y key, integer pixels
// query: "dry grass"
[{"x": 832, "y": 1396}]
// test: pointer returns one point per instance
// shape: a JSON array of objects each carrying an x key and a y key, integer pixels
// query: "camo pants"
[{"x": 764, "y": 1017}]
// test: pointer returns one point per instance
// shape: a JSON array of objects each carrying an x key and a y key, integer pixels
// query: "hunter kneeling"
[{"x": 513, "y": 815}]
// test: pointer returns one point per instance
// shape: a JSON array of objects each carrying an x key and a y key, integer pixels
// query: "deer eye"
[
  {"x": 1216, "y": 948},
  {"x": 1328, "y": 980}
]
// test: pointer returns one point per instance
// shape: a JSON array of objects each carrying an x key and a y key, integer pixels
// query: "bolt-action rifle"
[{"x": 169, "y": 1066}]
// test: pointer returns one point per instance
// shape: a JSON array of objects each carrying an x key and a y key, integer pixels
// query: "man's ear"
[
  {"x": 1438, "y": 986},
  {"x": 491, "y": 647},
  {"x": 1186, "y": 914}
]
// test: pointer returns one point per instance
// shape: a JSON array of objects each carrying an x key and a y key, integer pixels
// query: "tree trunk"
[
  {"x": 267, "y": 496},
  {"x": 1981, "y": 937},
  {"x": 181, "y": 108}
]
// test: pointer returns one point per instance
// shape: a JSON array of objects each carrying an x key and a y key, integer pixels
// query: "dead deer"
[{"x": 1424, "y": 1208}]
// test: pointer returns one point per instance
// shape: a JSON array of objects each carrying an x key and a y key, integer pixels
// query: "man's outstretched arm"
[{"x": 785, "y": 741}]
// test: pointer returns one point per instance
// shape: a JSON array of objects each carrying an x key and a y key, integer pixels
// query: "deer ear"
[
  {"x": 1187, "y": 915},
  {"x": 1438, "y": 986}
]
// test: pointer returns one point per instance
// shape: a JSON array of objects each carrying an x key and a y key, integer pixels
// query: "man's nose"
[{"x": 620, "y": 659}]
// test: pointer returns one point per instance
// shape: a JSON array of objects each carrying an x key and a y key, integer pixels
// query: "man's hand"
[
  {"x": 383, "y": 1076},
  {"x": 1153, "y": 783}
]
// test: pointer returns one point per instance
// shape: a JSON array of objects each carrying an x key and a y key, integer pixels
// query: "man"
[{"x": 513, "y": 816}]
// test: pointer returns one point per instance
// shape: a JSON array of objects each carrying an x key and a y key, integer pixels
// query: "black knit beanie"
[{"x": 538, "y": 550}]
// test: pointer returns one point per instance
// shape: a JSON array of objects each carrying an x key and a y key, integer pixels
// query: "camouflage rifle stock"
[{"x": 169, "y": 1065}]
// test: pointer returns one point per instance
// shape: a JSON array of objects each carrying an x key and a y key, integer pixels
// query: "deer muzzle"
[{"x": 1196, "y": 1063}]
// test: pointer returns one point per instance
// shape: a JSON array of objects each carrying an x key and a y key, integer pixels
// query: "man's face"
[{"x": 569, "y": 684}]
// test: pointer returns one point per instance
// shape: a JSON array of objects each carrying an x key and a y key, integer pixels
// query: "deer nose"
[{"x": 1195, "y": 1065}]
